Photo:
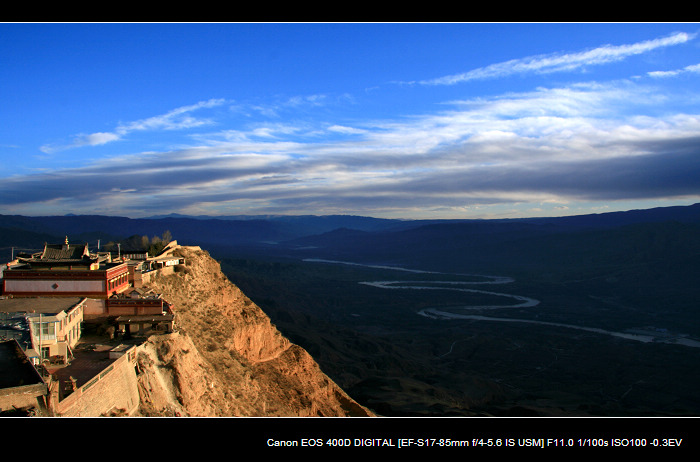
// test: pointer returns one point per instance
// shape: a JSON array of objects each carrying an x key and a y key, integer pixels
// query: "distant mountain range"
[{"x": 336, "y": 231}]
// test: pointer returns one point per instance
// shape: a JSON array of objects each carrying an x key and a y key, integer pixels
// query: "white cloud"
[
  {"x": 695, "y": 68},
  {"x": 313, "y": 100},
  {"x": 173, "y": 120},
  {"x": 177, "y": 119},
  {"x": 346, "y": 130},
  {"x": 94, "y": 139},
  {"x": 562, "y": 62},
  {"x": 100, "y": 138}
]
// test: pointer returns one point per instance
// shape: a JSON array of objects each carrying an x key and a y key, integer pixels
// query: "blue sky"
[{"x": 398, "y": 120}]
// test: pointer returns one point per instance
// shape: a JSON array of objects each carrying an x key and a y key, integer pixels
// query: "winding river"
[{"x": 523, "y": 302}]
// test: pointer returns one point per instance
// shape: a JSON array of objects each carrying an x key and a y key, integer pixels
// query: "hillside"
[{"x": 228, "y": 359}]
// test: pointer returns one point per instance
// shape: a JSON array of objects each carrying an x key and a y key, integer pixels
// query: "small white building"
[{"x": 53, "y": 324}]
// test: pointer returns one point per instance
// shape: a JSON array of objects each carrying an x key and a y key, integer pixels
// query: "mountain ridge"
[
  {"x": 219, "y": 232},
  {"x": 228, "y": 359}
]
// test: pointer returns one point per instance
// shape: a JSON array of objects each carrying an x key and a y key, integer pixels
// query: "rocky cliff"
[{"x": 227, "y": 358}]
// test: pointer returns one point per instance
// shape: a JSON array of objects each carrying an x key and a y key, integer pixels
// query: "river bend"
[{"x": 524, "y": 302}]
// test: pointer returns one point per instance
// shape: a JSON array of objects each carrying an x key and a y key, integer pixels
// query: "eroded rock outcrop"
[{"x": 227, "y": 358}]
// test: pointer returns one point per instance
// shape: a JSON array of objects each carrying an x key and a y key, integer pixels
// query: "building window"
[
  {"x": 45, "y": 330},
  {"x": 48, "y": 328}
]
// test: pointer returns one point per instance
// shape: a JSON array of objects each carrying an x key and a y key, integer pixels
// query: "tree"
[{"x": 158, "y": 243}]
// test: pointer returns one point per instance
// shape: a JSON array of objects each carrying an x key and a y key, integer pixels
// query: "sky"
[{"x": 390, "y": 120}]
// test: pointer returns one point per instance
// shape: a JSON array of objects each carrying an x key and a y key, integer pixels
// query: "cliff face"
[{"x": 227, "y": 358}]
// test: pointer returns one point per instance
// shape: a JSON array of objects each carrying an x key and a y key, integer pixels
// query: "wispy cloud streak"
[
  {"x": 692, "y": 69},
  {"x": 177, "y": 119},
  {"x": 562, "y": 62}
]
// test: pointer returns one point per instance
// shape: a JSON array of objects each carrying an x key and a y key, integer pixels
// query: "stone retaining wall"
[{"x": 112, "y": 391}]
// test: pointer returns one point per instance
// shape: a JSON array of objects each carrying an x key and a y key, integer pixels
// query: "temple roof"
[
  {"x": 65, "y": 254},
  {"x": 65, "y": 251}
]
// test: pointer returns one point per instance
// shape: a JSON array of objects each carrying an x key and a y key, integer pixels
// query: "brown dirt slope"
[{"x": 227, "y": 358}]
